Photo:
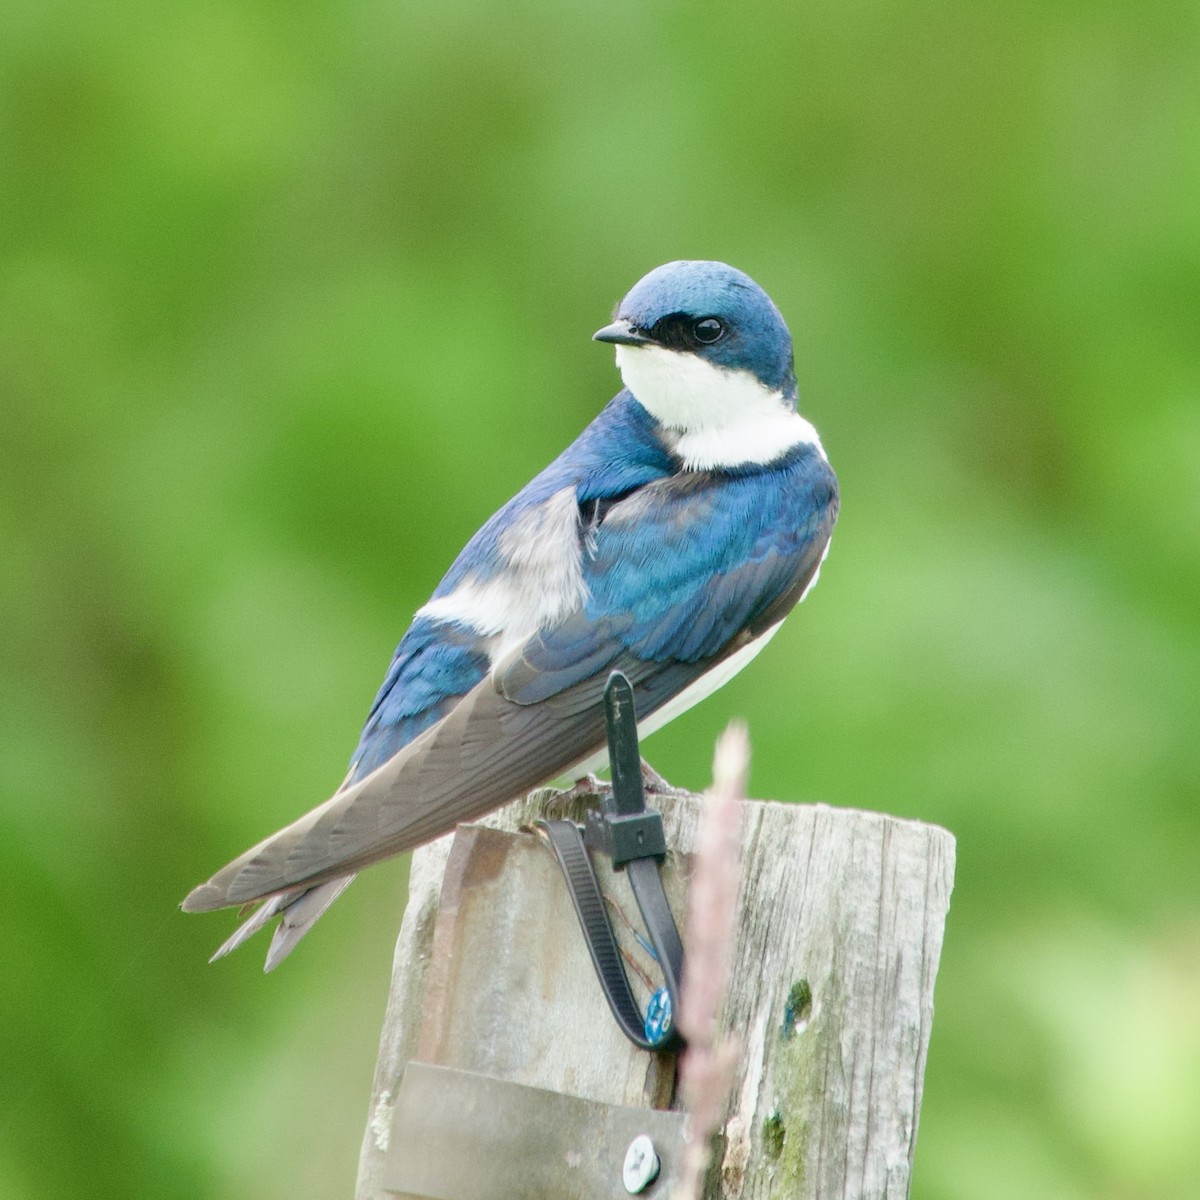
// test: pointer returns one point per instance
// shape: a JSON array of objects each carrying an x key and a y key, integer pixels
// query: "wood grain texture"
[{"x": 841, "y": 916}]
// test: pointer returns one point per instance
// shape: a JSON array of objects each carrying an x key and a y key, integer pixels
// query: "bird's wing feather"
[{"x": 435, "y": 665}]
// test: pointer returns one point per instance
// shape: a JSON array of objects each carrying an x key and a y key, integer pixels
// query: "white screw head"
[{"x": 641, "y": 1165}]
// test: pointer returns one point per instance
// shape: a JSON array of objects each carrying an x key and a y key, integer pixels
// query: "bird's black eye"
[{"x": 708, "y": 330}]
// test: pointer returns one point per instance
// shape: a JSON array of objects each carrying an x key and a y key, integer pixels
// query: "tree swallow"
[{"x": 669, "y": 541}]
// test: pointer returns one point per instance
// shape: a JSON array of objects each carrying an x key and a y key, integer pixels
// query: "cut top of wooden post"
[{"x": 840, "y": 922}]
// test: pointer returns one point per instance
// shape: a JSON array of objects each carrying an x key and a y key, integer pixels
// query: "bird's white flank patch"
[
  {"x": 708, "y": 683},
  {"x": 539, "y": 583},
  {"x": 723, "y": 418}
]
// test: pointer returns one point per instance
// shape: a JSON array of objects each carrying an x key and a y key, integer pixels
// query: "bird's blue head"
[{"x": 711, "y": 311}]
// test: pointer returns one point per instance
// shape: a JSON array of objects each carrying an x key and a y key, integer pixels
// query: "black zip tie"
[{"x": 632, "y": 836}]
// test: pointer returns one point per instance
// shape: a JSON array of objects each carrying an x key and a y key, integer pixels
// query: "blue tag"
[{"x": 659, "y": 1021}]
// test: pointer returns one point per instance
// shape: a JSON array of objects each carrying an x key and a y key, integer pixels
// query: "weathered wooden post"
[{"x": 502, "y": 1074}]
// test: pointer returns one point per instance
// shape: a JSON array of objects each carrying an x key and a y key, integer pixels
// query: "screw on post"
[{"x": 641, "y": 1165}]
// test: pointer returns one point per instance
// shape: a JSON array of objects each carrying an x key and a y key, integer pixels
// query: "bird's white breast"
[{"x": 723, "y": 418}]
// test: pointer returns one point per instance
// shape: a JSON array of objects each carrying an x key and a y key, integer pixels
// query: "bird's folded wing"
[{"x": 679, "y": 576}]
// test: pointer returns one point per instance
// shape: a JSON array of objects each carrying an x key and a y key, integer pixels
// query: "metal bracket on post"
[
  {"x": 632, "y": 836},
  {"x": 458, "y": 1135}
]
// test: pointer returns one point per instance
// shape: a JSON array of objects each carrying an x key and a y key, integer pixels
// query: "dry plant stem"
[{"x": 706, "y": 1073}]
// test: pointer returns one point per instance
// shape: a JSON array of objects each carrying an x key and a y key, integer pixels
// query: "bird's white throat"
[{"x": 724, "y": 418}]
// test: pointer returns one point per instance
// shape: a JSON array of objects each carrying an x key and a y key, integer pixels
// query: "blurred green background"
[{"x": 292, "y": 296}]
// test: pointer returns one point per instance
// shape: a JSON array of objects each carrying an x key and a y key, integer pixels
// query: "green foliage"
[{"x": 293, "y": 296}]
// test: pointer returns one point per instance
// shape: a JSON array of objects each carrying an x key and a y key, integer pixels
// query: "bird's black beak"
[{"x": 622, "y": 333}]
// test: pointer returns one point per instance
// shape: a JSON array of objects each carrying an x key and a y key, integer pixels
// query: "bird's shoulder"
[{"x": 695, "y": 524}]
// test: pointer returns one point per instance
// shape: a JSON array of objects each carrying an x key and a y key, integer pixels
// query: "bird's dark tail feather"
[{"x": 298, "y": 910}]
